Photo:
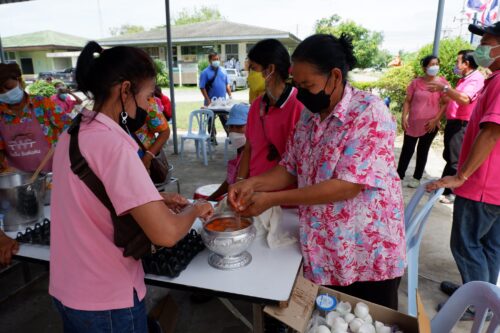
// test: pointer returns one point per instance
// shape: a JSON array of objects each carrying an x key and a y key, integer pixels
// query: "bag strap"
[
  {"x": 211, "y": 81},
  {"x": 80, "y": 167}
]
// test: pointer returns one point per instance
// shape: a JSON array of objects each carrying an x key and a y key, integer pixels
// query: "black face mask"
[
  {"x": 315, "y": 102},
  {"x": 133, "y": 124}
]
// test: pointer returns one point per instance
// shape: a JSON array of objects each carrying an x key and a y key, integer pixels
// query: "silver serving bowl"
[
  {"x": 21, "y": 202},
  {"x": 228, "y": 247}
]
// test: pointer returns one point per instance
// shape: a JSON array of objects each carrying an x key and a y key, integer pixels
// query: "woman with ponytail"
[
  {"x": 349, "y": 194},
  {"x": 96, "y": 285}
]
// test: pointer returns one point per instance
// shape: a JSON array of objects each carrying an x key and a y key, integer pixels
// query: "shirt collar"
[
  {"x": 493, "y": 75},
  {"x": 109, "y": 123},
  {"x": 284, "y": 97},
  {"x": 340, "y": 110}
]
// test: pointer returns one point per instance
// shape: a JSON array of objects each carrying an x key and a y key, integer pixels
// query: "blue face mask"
[
  {"x": 13, "y": 96},
  {"x": 216, "y": 63},
  {"x": 62, "y": 97},
  {"x": 457, "y": 71}
]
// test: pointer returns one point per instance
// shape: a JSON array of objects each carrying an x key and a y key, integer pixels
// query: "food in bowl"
[{"x": 227, "y": 224}]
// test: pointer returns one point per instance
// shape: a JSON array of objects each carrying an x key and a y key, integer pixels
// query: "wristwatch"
[{"x": 445, "y": 89}]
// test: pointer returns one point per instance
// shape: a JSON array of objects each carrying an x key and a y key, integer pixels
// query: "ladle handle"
[{"x": 42, "y": 165}]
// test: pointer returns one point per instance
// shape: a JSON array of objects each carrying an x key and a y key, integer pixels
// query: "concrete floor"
[{"x": 31, "y": 309}]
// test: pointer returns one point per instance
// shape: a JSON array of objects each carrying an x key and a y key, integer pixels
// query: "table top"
[{"x": 269, "y": 278}]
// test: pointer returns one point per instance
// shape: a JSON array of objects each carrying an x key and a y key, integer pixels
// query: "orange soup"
[{"x": 227, "y": 225}]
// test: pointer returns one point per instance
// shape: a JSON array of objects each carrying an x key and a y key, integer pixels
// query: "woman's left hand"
[
  {"x": 259, "y": 203},
  {"x": 146, "y": 160},
  {"x": 174, "y": 201},
  {"x": 432, "y": 125}
]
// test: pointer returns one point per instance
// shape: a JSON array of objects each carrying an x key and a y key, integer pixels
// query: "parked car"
[
  {"x": 236, "y": 80},
  {"x": 66, "y": 75}
]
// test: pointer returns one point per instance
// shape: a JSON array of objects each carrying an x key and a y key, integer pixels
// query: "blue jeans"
[
  {"x": 128, "y": 320},
  {"x": 475, "y": 240}
]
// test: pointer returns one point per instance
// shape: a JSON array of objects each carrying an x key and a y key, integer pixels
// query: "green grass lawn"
[{"x": 183, "y": 110}]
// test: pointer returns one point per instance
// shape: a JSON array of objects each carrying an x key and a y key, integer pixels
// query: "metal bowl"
[
  {"x": 21, "y": 202},
  {"x": 228, "y": 247}
]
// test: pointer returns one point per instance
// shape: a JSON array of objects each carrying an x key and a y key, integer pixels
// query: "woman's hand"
[
  {"x": 174, "y": 201},
  {"x": 432, "y": 125},
  {"x": 404, "y": 122},
  {"x": 447, "y": 182},
  {"x": 204, "y": 210},
  {"x": 8, "y": 247},
  {"x": 240, "y": 194},
  {"x": 259, "y": 203},
  {"x": 146, "y": 160}
]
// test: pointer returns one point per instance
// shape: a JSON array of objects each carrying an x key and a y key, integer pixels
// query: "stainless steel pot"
[
  {"x": 21, "y": 202},
  {"x": 229, "y": 247}
]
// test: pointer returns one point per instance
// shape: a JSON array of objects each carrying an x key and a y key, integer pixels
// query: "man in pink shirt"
[
  {"x": 462, "y": 101},
  {"x": 475, "y": 235}
]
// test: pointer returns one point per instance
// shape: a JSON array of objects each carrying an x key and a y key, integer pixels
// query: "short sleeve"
[
  {"x": 368, "y": 152},
  {"x": 492, "y": 103},
  {"x": 411, "y": 89},
  {"x": 155, "y": 120},
  {"x": 123, "y": 174},
  {"x": 203, "y": 79},
  {"x": 227, "y": 77},
  {"x": 57, "y": 117},
  {"x": 289, "y": 158}
]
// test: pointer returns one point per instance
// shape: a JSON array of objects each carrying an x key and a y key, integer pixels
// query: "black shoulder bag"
[
  {"x": 127, "y": 233},
  {"x": 210, "y": 82}
]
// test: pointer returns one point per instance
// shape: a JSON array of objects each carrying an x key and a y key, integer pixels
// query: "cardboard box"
[{"x": 302, "y": 303}]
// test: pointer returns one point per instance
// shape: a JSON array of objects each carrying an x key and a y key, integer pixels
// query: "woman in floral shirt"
[
  {"x": 29, "y": 125},
  {"x": 349, "y": 193}
]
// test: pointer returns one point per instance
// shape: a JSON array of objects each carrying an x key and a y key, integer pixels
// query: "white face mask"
[
  {"x": 432, "y": 70},
  {"x": 13, "y": 96},
  {"x": 238, "y": 140}
]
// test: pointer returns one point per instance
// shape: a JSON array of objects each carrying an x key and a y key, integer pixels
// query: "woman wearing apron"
[{"x": 29, "y": 125}]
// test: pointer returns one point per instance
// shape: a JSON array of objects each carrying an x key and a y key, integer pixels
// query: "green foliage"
[
  {"x": 448, "y": 50},
  {"x": 202, "y": 64},
  {"x": 393, "y": 84},
  {"x": 126, "y": 29},
  {"x": 368, "y": 86},
  {"x": 161, "y": 73},
  {"x": 366, "y": 43},
  {"x": 42, "y": 88},
  {"x": 195, "y": 15}
]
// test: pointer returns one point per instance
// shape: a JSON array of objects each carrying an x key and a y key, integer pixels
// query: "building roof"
[
  {"x": 42, "y": 40},
  {"x": 199, "y": 32}
]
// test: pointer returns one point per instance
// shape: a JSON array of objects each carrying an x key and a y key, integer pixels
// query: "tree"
[
  {"x": 365, "y": 42},
  {"x": 195, "y": 15},
  {"x": 126, "y": 29}
]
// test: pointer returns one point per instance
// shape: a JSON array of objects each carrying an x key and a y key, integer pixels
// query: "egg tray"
[
  {"x": 171, "y": 261},
  {"x": 39, "y": 234}
]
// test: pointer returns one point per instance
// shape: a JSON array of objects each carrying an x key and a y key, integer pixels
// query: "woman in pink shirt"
[
  {"x": 95, "y": 286},
  {"x": 272, "y": 116},
  {"x": 341, "y": 156},
  {"x": 422, "y": 112},
  {"x": 65, "y": 98}
]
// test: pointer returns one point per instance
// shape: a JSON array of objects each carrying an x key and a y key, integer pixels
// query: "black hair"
[
  {"x": 271, "y": 52},
  {"x": 97, "y": 70},
  {"x": 425, "y": 61},
  {"x": 327, "y": 52},
  {"x": 157, "y": 91},
  {"x": 468, "y": 55},
  {"x": 212, "y": 55}
]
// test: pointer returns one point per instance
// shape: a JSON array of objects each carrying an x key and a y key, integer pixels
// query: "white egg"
[
  {"x": 361, "y": 310},
  {"x": 368, "y": 319},
  {"x": 366, "y": 328},
  {"x": 331, "y": 316},
  {"x": 378, "y": 324},
  {"x": 384, "y": 329},
  {"x": 322, "y": 329},
  {"x": 339, "y": 325},
  {"x": 349, "y": 317},
  {"x": 344, "y": 308},
  {"x": 355, "y": 324}
]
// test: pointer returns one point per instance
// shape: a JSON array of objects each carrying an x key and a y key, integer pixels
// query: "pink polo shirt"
[
  {"x": 274, "y": 127},
  {"x": 67, "y": 105},
  {"x": 87, "y": 271},
  {"x": 424, "y": 106},
  {"x": 484, "y": 184},
  {"x": 471, "y": 85}
]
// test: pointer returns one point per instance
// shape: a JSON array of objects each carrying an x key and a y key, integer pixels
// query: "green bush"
[
  {"x": 393, "y": 84},
  {"x": 365, "y": 85},
  {"x": 161, "y": 73},
  {"x": 202, "y": 64},
  {"x": 42, "y": 88}
]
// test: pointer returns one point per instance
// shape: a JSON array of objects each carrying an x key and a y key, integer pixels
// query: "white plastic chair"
[
  {"x": 482, "y": 295},
  {"x": 414, "y": 229},
  {"x": 202, "y": 138}
]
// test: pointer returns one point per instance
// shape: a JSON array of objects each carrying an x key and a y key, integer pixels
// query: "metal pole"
[
  {"x": 437, "y": 32},
  {"x": 474, "y": 21},
  {"x": 171, "y": 73},
  {"x": 2, "y": 56}
]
